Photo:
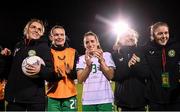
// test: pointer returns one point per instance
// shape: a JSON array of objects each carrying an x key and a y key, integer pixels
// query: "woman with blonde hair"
[
  {"x": 23, "y": 92},
  {"x": 129, "y": 80}
]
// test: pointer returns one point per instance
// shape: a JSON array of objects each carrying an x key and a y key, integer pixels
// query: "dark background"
[{"x": 79, "y": 16}]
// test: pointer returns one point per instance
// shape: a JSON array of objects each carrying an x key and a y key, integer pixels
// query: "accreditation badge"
[{"x": 165, "y": 79}]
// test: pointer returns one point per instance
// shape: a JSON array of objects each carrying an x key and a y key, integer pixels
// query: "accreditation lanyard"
[{"x": 164, "y": 59}]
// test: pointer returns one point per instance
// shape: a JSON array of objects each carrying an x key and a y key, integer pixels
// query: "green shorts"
[
  {"x": 64, "y": 104},
  {"x": 98, "y": 107}
]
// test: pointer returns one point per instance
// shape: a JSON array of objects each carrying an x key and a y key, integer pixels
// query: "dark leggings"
[
  {"x": 2, "y": 105},
  {"x": 25, "y": 106},
  {"x": 164, "y": 107},
  {"x": 131, "y": 109}
]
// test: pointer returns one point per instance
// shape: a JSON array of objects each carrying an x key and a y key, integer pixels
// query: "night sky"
[{"x": 79, "y": 16}]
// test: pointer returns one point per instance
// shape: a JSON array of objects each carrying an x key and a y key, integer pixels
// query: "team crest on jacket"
[
  {"x": 31, "y": 52},
  {"x": 171, "y": 53}
]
